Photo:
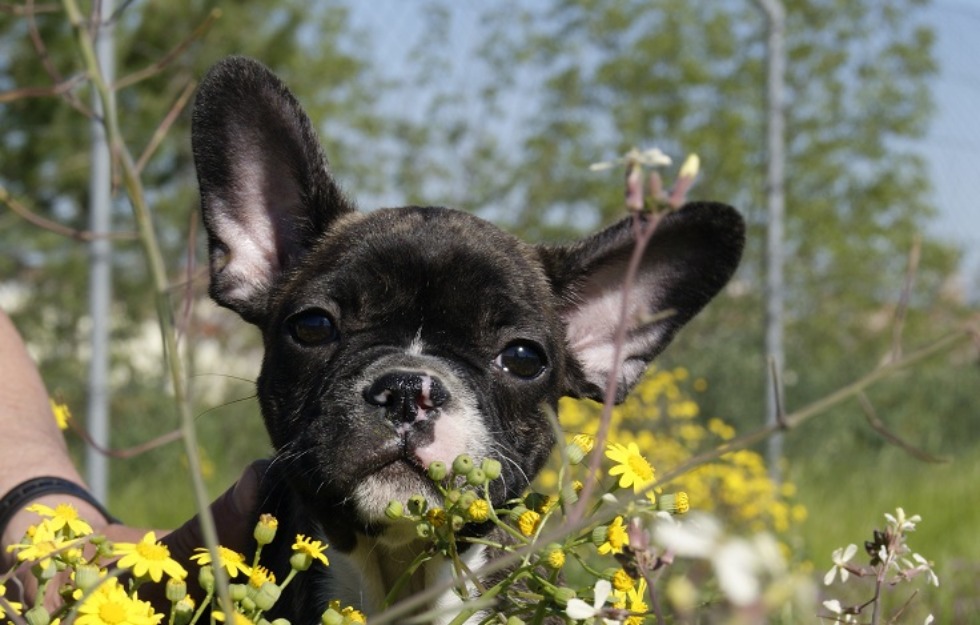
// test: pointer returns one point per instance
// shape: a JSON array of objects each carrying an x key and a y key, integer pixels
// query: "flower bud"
[
  {"x": 569, "y": 494},
  {"x": 466, "y": 499},
  {"x": 691, "y": 166},
  {"x": 417, "y": 505},
  {"x": 674, "y": 503},
  {"x": 176, "y": 589},
  {"x": 463, "y": 464},
  {"x": 265, "y": 529},
  {"x": 237, "y": 591},
  {"x": 45, "y": 573},
  {"x": 395, "y": 510},
  {"x": 183, "y": 610},
  {"x": 476, "y": 477},
  {"x": 491, "y": 468},
  {"x": 563, "y": 595},
  {"x": 206, "y": 578},
  {"x": 574, "y": 453},
  {"x": 437, "y": 471},
  {"x": 332, "y": 617},
  {"x": 300, "y": 561},
  {"x": 37, "y": 616},
  {"x": 600, "y": 534},
  {"x": 267, "y": 596},
  {"x": 87, "y": 576}
]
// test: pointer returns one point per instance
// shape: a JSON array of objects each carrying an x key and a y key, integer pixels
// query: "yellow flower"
[
  {"x": 555, "y": 559},
  {"x": 633, "y": 469},
  {"x": 237, "y": 617},
  {"x": 528, "y": 522},
  {"x": 436, "y": 516},
  {"x": 18, "y": 608},
  {"x": 111, "y": 605},
  {"x": 231, "y": 561},
  {"x": 585, "y": 442},
  {"x": 259, "y": 576},
  {"x": 635, "y": 597},
  {"x": 61, "y": 414},
  {"x": 479, "y": 510},
  {"x": 622, "y": 581},
  {"x": 682, "y": 502},
  {"x": 312, "y": 548},
  {"x": 149, "y": 558},
  {"x": 42, "y": 543},
  {"x": 61, "y": 516},
  {"x": 616, "y": 537},
  {"x": 355, "y": 616}
]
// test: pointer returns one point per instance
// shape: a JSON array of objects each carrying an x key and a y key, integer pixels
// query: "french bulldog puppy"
[{"x": 402, "y": 336}]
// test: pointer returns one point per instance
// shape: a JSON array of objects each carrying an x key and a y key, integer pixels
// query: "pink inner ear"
[
  {"x": 592, "y": 323},
  {"x": 256, "y": 230}
]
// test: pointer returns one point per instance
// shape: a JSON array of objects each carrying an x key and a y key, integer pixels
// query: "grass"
[{"x": 847, "y": 496}]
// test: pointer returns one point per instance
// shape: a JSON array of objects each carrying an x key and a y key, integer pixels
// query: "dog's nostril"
[{"x": 407, "y": 395}]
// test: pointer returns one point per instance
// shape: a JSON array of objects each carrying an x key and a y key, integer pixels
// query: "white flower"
[
  {"x": 651, "y": 158},
  {"x": 740, "y": 565},
  {"x": 902, "y": 523},
  {"x": 834, "y": 606},
  {"x": 840, "y": 557},
  {"x": 926, "y": 567},
  {"x": 698, "y": 537},
  {"x": 580, "y": 610},
  {"x": 736, "y": 565},
  {"x": 929, "y": 620}
]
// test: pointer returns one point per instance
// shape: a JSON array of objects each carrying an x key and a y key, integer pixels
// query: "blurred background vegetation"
[{"x": 499, "y": 109}]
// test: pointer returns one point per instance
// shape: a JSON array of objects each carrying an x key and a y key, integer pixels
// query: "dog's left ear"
[
  {"x": 690, "y": 257},
  {"x": 266, "y": 194}
]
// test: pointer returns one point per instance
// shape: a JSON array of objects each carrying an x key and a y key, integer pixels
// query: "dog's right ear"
[{"x": 266, "y": 194}]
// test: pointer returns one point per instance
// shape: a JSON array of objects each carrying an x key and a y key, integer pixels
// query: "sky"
[{"x": 952, "y": 146}]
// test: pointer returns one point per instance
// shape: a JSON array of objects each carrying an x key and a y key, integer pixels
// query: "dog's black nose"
[{"x": 408, "y": 395}]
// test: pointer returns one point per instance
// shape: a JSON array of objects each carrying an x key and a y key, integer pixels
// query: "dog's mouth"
[{"x": 398, "y": 459}]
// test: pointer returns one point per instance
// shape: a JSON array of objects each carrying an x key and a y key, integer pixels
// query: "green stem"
[
  {"x": 403, "y": 579},
  {"x": 205, "y": 603},
  {"x": 161, "y": 284}
]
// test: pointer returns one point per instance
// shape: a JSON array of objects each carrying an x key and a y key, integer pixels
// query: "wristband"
[{"x": 25, "y": 492}]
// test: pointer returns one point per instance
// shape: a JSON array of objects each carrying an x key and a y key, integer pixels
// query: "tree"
[
  {"x": 44, "y": 165},
  {"x": 612, "y": 74}
]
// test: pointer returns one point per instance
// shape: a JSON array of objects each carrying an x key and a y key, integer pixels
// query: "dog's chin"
[{"x": 396, "y": 481}]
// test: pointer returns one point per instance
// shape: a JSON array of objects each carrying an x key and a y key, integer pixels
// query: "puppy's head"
[{"x": 403, "y": 336}]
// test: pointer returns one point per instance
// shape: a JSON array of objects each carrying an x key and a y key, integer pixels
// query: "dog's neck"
[{"x": 376, "y": 568}]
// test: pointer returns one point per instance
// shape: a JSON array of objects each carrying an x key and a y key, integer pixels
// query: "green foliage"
[
  {"x": 690, "y": 76},
  {"x": 44, "y": 164}
]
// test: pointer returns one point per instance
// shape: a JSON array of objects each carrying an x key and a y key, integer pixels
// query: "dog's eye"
[
  {"x": 313, "y": 327},
  {"x": 522, "y": 359}
]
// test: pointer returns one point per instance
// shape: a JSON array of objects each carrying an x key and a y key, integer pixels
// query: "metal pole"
[
  {"x": 775, "y": 176},
  {"x": 100, "y": 267}
]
